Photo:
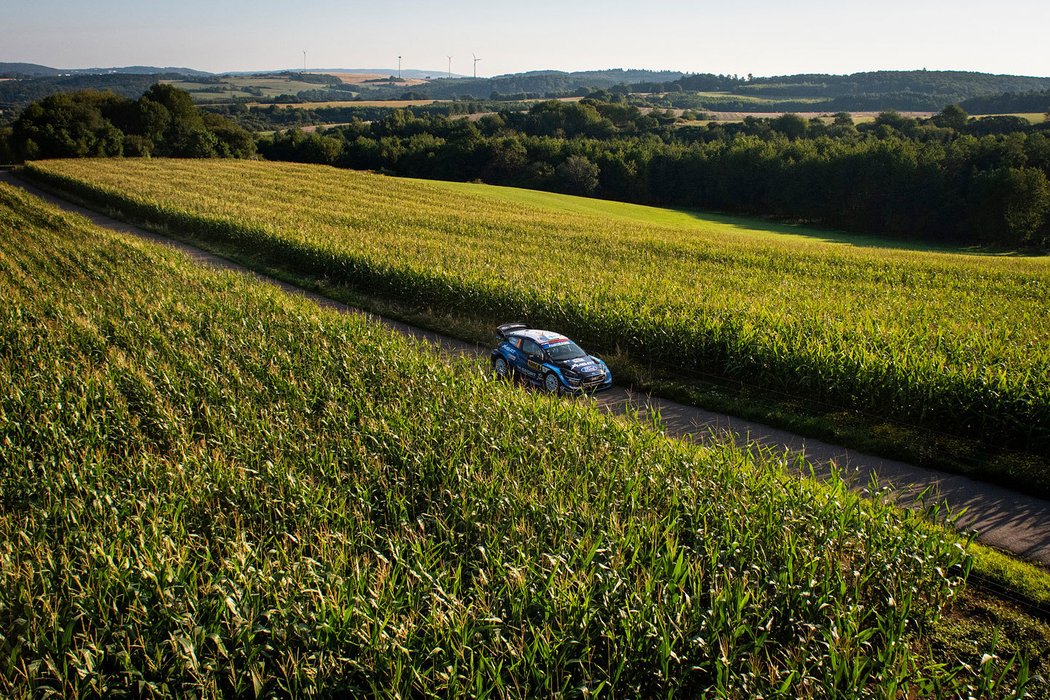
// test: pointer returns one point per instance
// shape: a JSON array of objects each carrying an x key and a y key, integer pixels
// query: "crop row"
[
  {"x": 210, "y": 487},
  {"x": 956, "y": 343}
]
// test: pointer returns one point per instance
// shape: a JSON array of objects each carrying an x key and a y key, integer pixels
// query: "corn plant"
[
  {"x": 209, "y": 487},
  {"x": 953, "y": 343}
]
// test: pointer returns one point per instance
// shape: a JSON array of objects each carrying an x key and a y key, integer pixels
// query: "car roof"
[{"x": 544, "y": 338}]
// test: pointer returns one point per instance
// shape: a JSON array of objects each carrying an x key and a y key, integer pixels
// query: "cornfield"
[
  {"x": 949, "y": 342},
  {"x": 212, "y": 488}
]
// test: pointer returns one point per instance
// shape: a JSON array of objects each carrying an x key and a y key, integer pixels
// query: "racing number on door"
[{"x": 532, "y": 357}]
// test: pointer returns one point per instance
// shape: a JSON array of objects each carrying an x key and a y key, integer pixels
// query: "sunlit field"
[
  {"x": 211, "y": 487},
  {"x": 956, "y": 343}
]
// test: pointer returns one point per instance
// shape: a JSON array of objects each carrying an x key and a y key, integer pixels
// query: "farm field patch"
[
  {"x": 945, "y": 341},
  {"x": 201, "y": 502},
  {"x": 241, "y": 87},
  {"x": 348, "y": 78},
  {"x": 393, "y": 104},
  {"x": 1032, "y": 117}
]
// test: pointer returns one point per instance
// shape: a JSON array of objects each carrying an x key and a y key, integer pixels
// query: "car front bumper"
[{"x": 592, "y": 386}]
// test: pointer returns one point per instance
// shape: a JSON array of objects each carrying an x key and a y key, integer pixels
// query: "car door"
[
  {"x": 514, "y": 354},
  {"x": 533, "y": 358}
]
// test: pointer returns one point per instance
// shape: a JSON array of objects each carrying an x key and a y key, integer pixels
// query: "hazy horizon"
[
  {"x": 753, "y": 36},
  {"x": 435, "y": 73}
]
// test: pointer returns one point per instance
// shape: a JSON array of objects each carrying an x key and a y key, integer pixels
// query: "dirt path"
[{"x": 1003, "y": 518}]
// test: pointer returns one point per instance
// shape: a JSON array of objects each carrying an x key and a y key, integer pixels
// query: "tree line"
[
  {"x": 1032, "y": 101},
  {"x": 949, "y": 178},
  {"x": 942, "y": 179},
  {"x": 271, "y": 117},
  {"x": 164, "y": 121}
]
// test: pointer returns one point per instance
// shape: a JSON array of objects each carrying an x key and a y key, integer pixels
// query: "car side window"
[{"x": 530, "y": 347}]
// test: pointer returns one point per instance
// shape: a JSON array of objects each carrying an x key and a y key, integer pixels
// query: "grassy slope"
[
  {"x": 195, "y": 500},
  {"x": 700, "y": 223},
  {"x": 235, "y": 87}
]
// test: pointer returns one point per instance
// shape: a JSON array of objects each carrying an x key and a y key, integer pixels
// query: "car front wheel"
[
  {"x": 551, "y": 383},
  {"x": 501, "y": 368}
]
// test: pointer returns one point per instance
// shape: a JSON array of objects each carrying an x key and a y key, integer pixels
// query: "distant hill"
[
  {"x": 141, "y": 70},
  {"x": 26, "y": 70},
  {"x": 411, "y": 73},
  {"x": 33, "y": 70},
  {"x": 16, "y": 94},
  {"x": 937, "y": 88},
  {"x": 918, "y": 90},
  {"x": 542, "y": 83}
]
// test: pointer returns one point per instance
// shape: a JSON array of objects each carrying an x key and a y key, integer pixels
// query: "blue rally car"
[{"x": 549, "y": 360}]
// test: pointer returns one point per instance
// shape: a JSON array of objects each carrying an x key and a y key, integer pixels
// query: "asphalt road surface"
[{"x": 1005, "y": 519}]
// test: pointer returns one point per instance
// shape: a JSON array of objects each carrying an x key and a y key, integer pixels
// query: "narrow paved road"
[{"x": 1003, "y": 518}]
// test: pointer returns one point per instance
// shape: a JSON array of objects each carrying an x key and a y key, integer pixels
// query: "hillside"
[
  {"x": 15, "y": 95},
  {"x": 33, "y": 70},
  {"x": 904, "y": 90},
  {"x": 872, "y": 91},
  {"x": 542, "y": 83},
  {"x": 1032, "y": 102},
  {"x": 26, "y": 70},
  {"x": 954, "y": 85}
]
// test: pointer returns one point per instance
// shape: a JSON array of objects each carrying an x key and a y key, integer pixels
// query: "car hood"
[{"x": 585, "y": 366}]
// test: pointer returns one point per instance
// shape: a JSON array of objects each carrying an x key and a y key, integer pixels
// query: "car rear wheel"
[
  {"x": 551, "y": 383},
  {"x": 501, "y": 368}
]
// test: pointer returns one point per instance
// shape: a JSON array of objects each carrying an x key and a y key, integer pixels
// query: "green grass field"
[
  {"x": 715, "y": 98},
  {"x": 238, "y": 87},
  {"x": 210, "y": 487},
  {"x": 1033, "y": 117},
  {"x": 955, "y": 344},
  {"x": 685, "y": 221}
]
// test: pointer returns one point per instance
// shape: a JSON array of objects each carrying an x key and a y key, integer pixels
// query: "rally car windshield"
[{"x": 565, "y": 351}]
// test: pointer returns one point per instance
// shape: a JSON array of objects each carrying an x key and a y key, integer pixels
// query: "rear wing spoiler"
[{"x": 506, "y": 328}]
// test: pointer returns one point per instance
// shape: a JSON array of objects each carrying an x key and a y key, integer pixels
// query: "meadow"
[
  {"x": 210, "y": 487},
  {"x": 949, "y": 343},
  {"x": 393, "y": 104},
  {"x": 242, "y": 87}
]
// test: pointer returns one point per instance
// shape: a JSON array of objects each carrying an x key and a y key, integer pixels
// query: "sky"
[{"x": 761, "y": 37}]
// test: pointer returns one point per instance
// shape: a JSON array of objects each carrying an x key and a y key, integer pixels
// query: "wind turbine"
[
  {"x": 476, "y": 59},
  {"x": 304, "y": 61},
  {"x": 399, "y": 68},
  {"x": 450, "y": 67}
]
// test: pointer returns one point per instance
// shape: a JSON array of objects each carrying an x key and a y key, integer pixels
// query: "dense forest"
[
  {"x": 274, "y": 116},
  {"x": 163, "y": 121},
  {"x": 948, "y": 178},
  {"x": 16, "y": 95},
  {"x": 1033, "y": 101}
]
